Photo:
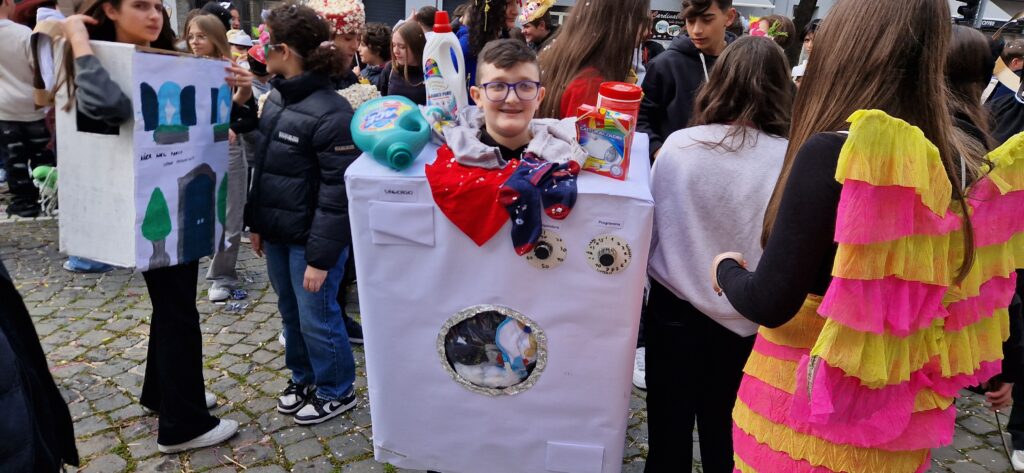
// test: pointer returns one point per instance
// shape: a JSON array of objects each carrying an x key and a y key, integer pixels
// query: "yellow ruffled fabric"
[
  {"x": 819, "y": 452},
  {"x": 927, "y": 400},
  {"x": 884, "y": 360},
  {"x": 1007, "y": 169},
  {"x": 779, "y": 374},
  {"x": 741, "y": 465},
  {"x": 886, "y": 151},
  {"x": 802, "y": 330},
  {"x": 992, "y": 261},
  {"x": 922, "y": 258}
]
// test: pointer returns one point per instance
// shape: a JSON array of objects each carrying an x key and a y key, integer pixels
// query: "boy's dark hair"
[
  {"x": 506, "y": 54},
  {"x": 303, "y": 30},
  {"x": 695, "y": 8},
  {"x": 425, "y": 17},
  {"x": 546, "y": 19},
  {"x": 1014, "y": 49},
  {"x": 810, "y": 29},
  {"x": 377, "y": 37}
]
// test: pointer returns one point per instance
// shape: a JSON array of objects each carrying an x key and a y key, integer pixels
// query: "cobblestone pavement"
[{"x": 94, "y": 329}]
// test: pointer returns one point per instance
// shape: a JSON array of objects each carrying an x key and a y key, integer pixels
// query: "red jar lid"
[{"x": 621, "y": 91}]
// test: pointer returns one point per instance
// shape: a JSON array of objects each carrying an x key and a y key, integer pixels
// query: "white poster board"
[
  {"x": 558, "y": 399},
  {"x": 150, "y": 193}
]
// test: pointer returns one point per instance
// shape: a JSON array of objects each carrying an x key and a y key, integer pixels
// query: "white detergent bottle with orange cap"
[{"x": 444, "y": 69}]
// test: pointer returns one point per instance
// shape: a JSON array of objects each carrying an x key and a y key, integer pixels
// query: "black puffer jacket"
[
  {"x": 672, "y": 81},
  {"x": 298, "y": 190}
]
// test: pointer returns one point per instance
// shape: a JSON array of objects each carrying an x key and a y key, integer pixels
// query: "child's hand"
[
  {"x": 738, "y": 257},
  {"x": 257, "y": 244},
  {"x": 77, "y": 34},
  {"x": 1000, "y": 397},
  {"x": 240, "y": 79},
  {"x": 314, "y": 278}
]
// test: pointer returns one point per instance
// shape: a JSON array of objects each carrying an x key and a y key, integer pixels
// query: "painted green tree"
[
  {"x": 222, "y": 208},
  {"x": 156, "y": 226}
]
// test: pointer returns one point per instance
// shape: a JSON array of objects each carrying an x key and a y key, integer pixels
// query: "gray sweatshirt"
[{"x": 706, "y": 202}]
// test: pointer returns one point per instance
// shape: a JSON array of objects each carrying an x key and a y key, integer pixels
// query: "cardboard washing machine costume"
[{"x": 479, "y": 359}]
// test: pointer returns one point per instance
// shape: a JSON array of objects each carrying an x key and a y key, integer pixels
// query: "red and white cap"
[{"x": 345, "y": 16}]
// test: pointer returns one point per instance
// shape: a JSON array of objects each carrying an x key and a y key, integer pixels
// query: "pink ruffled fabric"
[
  {"x": 906, "y": 431},
  {"x": 951, "y": 386},
  {"x": 994, "y": 294},
  {"x": 767, "y": 348},
  {"x": 843, "y": 411},
  {"x": 894, "y": 212},
  {"x": 996, "y": 217},
  {"x": 883, "y": 305}
]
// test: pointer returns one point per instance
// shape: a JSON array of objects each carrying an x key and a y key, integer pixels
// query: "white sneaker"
[
  {"x": 219, "y": 294},
  {"x": 280, "y": 339},
  {"x": 211, "y": 402},
  {"x": 223, "y": 431},
  {"x": 1017, "y": 460},
  {"x": 640, "y": 368}
]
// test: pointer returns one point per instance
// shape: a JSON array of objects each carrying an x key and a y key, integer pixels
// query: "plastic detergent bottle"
[
  {"x": 444, "y": 69},
  {"x": 391, "y": 129}
]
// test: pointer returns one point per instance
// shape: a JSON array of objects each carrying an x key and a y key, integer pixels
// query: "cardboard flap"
[
  {"x": 574, "y": 458},
  {"x": 395, "y": 223}
]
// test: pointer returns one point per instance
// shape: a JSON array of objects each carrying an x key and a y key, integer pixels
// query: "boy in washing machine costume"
[{"x": 498, "y": 163}]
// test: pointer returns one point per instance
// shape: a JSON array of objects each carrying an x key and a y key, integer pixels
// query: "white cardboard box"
[
  {"x": 177, "y": 143},
  {"x": 417, "y": 270}
]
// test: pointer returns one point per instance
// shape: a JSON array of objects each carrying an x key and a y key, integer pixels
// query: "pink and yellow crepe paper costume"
[{"x": 863, "y": 380}]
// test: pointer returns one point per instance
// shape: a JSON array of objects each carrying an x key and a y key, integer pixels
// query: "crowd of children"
[{"x": 814, "y": 293}]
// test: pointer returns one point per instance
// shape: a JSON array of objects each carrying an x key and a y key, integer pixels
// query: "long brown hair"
[
  {"x": 902, "y": 74},
  {"x": 415, "y": 40},
  {"x": 749, "y": 86},
  {"x": 968, "y": 70},
  {"x": 215, "y": 34},
  {"x": 104, "y": 30},
  {"x": 585, "y": 41}
]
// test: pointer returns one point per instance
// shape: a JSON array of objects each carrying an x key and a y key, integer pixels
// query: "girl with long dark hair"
[
  {"x": 488, "y": 20},
  {"x": 584, "y": 53},
  {"x": 173, "y": 385},
  {"x": 711, "y": 183},
  {"x": 884, "y": 282}
]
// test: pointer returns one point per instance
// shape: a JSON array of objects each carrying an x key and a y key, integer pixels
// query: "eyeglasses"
[
  {"x": 276, "y": 47},
  {"x": 526, "y": 90}
]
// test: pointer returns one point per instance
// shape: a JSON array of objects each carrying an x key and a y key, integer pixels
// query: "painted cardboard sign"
[{"x": 150, "y": 193}]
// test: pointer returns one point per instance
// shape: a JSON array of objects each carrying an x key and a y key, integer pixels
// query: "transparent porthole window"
[{"x": 492, "y": 350}]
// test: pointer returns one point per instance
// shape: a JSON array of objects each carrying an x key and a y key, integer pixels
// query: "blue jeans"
[{"x": 317, "y": 349}]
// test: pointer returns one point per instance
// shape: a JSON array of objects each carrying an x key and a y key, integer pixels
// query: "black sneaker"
[
  {"x": 293, "y": 398},
  {"x": 318, "y": 410},
  {"x": 355, "y": 331},
  {"x": 24, "y": 209}
]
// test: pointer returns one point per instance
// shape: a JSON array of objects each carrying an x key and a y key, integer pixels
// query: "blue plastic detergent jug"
[{"x": 392, "y": 130}]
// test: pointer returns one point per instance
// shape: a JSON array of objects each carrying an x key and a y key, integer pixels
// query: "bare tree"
[{"x": 802, "y": 15}]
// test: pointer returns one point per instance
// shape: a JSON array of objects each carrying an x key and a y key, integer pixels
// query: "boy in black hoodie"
[{"x": 674, "y": 77}]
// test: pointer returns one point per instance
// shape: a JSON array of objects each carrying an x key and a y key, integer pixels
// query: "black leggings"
[
  {"x": 174, "y": 364},
  {"x": 694, "y": 368}
]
